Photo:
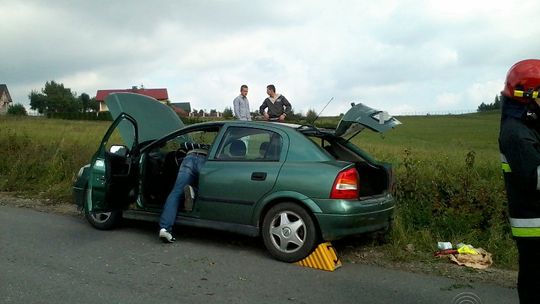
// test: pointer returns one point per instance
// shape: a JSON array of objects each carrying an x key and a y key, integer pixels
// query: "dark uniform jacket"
[
  {"x": 520, "y": 154},
  {"x": 275, "y": 109}
]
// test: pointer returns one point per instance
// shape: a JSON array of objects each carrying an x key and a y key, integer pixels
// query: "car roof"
[
  {"x": 306, "y": 130},
  {"x": 243, "y": 123}
]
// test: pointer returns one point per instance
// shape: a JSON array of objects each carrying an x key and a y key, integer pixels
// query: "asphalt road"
[{"x": 51, "y": 258}]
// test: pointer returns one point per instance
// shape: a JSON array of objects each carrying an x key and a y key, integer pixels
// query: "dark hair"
[
  {"x": 243, "y": 86},
  {"x": 271, "y": 87}
]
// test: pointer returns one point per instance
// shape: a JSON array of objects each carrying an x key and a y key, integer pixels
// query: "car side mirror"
[{"x": 119, "y": 150}]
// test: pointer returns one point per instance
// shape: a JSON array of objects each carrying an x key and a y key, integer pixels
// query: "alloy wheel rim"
[
  {"x": 287, "y": 232},
  {"x": 101, "y": 217}
]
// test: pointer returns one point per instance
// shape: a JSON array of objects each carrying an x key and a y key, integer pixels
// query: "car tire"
[
  {"x": 289, "y": 232},
  {"x": 103, "y": 220}
]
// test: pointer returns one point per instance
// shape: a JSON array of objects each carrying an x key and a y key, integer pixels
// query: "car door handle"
[{"x": 258, "y": 176}]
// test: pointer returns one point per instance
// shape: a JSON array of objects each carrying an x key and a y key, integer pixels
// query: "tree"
[
  {"x": 292, "y": 116},
  {"x": 88, "y": 104},
  {"x": 84, "y": 100},
  {"x": 54, "y": 98},
  {"x": 38, "y": 101},
  {"x": 311, "y": 115},
  {"x": 93, "y": 105},
  {"x": 227, "y": 113},
  {"x": 496, "y": 105},
  {"x": 17, "y": 109}
]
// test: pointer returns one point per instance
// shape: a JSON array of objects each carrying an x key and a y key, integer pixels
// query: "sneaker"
[
  {"x": 189, "y": 197},
  {"x": 166, "y": 236}
]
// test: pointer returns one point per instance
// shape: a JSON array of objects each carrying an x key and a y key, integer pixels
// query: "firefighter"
[{"x": 519, "y": 144}]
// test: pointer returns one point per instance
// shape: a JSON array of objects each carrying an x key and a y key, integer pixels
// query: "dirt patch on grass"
[
  {"x": 44, "y": 205},
  {"x": 354, "y": 251}
]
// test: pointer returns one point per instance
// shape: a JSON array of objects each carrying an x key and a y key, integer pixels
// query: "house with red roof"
[
  {"x": 182, "y": 108},
  {"x": 160, "y": 94}
]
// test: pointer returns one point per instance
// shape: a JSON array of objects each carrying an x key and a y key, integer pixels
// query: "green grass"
[
  {"x": 42, "y": 156},
  {"x": 449, "y": 185},
  {"x": 438, "y": 136}
]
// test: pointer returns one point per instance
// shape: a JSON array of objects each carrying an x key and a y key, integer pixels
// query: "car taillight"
[{"x": 346, "y": 185}]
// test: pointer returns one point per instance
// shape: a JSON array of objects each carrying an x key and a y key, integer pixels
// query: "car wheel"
[
  {"x": 289, "y": 232},
  {"x": 103, "y": 220}
]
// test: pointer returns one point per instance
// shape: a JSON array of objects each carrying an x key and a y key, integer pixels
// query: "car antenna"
[{"x": 329, "y": 101}]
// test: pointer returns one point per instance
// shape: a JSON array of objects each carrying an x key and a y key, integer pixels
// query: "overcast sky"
[{"x": 400, "y": 56}]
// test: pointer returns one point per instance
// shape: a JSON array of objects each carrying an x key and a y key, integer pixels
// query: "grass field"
[{"x": 448, "y": 181}]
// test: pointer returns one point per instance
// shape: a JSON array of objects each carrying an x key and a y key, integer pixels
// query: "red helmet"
[{"x": 523, "y": 81}]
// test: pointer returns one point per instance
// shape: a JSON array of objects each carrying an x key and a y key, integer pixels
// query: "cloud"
[
  {"x": 447, "y": 100},
  {"x": 396, "y": 55},
  {"x": 484, "y": 92}
]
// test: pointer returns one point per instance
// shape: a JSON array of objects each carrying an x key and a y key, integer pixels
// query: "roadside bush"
[
  {"x": 42, "y": 156},
  {"x": 100, "y": 116},
  {"x": 192, "y": 120},
  {"x": 439, "y": 200},
  {"x": 17, "y": 109}
]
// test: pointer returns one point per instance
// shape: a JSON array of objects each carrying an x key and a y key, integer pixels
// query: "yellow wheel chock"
[{"x": 324, "y": 257}]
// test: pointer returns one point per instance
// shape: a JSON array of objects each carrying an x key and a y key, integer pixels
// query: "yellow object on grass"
[{"x": 467, "y": 249}]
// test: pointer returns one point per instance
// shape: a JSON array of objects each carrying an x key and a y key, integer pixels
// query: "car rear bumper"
[{"x": 355, "y": 217}]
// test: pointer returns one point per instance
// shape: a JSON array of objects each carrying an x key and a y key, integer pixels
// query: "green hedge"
[{"x": 101, "y": 116}]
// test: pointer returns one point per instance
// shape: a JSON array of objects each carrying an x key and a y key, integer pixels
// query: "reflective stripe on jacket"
[
  {"x": 529, "y": 227},
  {"x": 505, "y": 166}
]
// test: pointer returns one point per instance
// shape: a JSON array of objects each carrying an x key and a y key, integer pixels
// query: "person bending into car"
[
  {"x": 278, "y": 106},
  {"x": 182, "y": 191}
]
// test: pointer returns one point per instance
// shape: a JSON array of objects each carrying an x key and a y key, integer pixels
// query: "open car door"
[
  {"x": 113, "y": 170},
  {"x": 360, "y": 117},
  {"x": 138, "y": 119}
]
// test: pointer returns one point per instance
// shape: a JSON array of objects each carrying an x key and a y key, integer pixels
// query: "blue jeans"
[{"x": 188, "y": 174}]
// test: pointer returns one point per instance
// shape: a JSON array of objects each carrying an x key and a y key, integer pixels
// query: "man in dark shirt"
[{"x": 278, "y": 106}]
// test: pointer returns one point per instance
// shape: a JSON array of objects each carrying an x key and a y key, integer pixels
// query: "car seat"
[
  {"x": 237, "y": 149},
  {"x": 274, "y": 148},
  {"x": 262, "y": 149}
]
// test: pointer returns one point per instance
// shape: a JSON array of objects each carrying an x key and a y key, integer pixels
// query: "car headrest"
[
  {"x": 263, "y": 148},
  {"x": 237, "y": 148}
]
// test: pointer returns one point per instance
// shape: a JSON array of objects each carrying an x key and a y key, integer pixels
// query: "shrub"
[
  {"x": 101, "y": 116},
  {"x": 440, "y": 200},
  {"x": 228, "y": 113},
  {"x": 17, "y": 109}
]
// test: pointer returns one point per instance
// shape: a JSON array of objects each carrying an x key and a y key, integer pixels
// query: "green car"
[{"x": 294, "y": 185}]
